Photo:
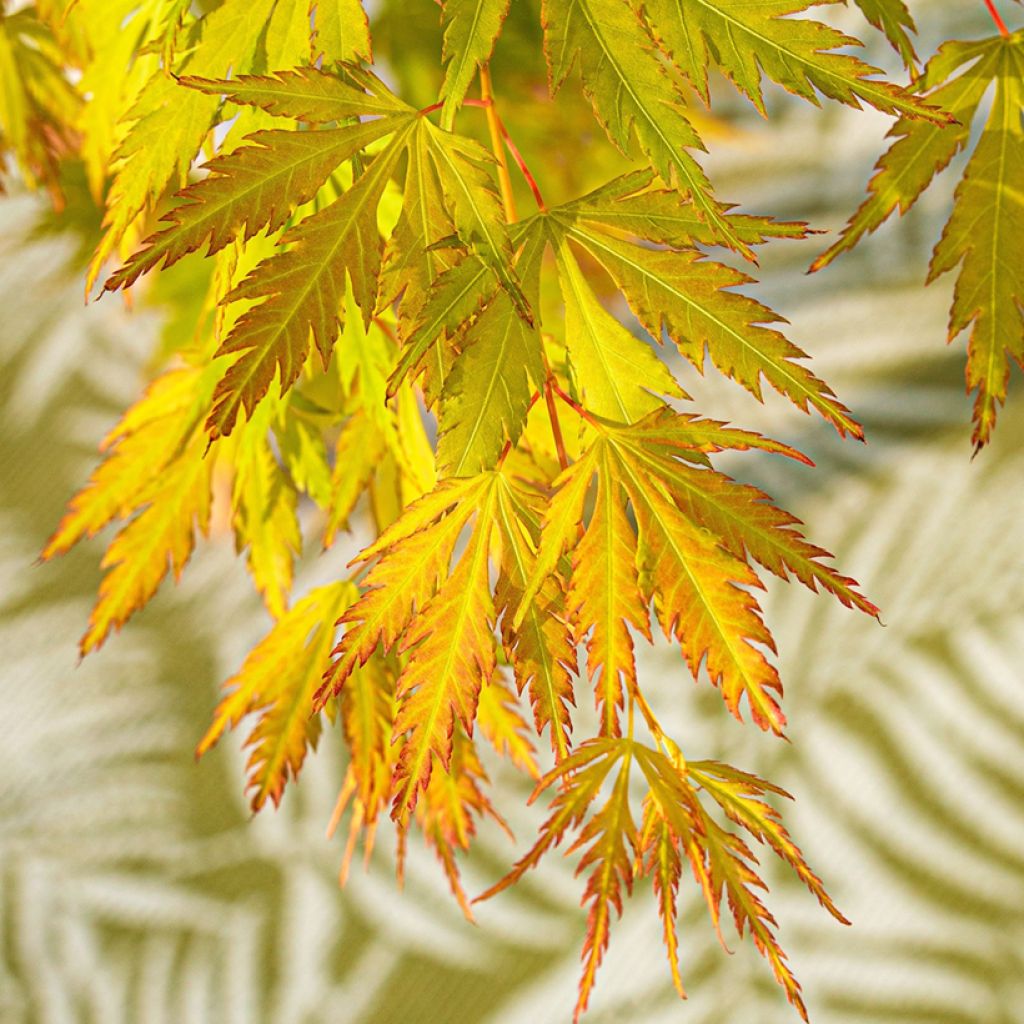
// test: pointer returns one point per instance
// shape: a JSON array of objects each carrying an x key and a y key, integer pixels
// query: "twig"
[{"x": 998, "y": 19}]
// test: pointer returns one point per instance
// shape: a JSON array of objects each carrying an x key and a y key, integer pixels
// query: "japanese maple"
[{"x": 365, "y": 266}]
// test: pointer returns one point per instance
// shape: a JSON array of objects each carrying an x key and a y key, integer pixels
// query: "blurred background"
[{"x": 135, "y": 887}]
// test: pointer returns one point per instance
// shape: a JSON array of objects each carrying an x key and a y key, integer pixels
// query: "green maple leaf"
[
  {"x": 894, "y": 19},
  {"x": 747, "y": 38},
  {"x": 678, "y": 291},
  {"x": 471, "y": 28},
  {"x": 983, "y": 234},
  {"x": 631, "y": 92}
]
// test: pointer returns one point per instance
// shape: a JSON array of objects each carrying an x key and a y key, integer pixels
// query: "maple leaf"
[
  {"x": 674, "y": 825},
  {"x": 679, "y": 291},
  {"x": 686, "y": 552},
  {"x": 989, "y": 295},
  {"x": 747, "y": 39},
  {"x": 454, "y": 297},
  {"x": 253, "y": 188},
  {"x": 894, "y": 19},
  {"x": 721, "y": 861},
  {"x": 167, "y": 124},
  {"x": 153, "y": 468},
  {"x": 631, "y": 92},
  {"x": 301, "y": 291},
  {"x": 611, "y": 835},
  {"x": 301, "y": 288},
  {"x": 277, "y": 681},
  {"x": 442, "y": 617},
  {"x": 471, "y": 28}
]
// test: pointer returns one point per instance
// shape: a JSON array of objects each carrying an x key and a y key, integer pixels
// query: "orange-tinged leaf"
[
  {"x": 159, "y": 539},
  {"x": 729, "y": 872},
  {"x": 402, "y": 584},
  {"x": 722, "y": 862},
  {"x": 586, "y": 769},
  {"x": 166, "y": 124},
  {"x": 699, "y": 598},
  {"x": 684, "y": 434},
  {"x": 148, "y": 437},
  {"x": 452, "y": 654},
  {"x": 694, "y": 533},
  {"x": 540, "y": 647},
  {"x": 500, "y": 721},
  {"x": 277, "y": 681},
  {"x": 921, "y": 149},
  {"x": 612, "y": 836},
  {"x": 741, "y": 796},
  {"x": 447, "y": 807},
  {"x": 747, "y": 524},
  {"x": 605, "y": 599},
  {"x": 665, "y": 865}
]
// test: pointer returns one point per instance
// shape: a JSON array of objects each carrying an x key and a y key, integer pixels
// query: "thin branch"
[
  {"x": 498, "y": 130},
  {"x": 998, "y": 19},
  {"x": 556, "y": 428},
  {"x": 573, "y": 404},
  {"x": 524, "y": 170},
  {"x": 494, "y": 126}
]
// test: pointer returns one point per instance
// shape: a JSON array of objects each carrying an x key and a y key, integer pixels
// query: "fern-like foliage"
[{"x": 376, "y": 337}]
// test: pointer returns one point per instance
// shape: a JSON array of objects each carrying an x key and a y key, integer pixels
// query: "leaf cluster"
[{"x": 378, "y": 339}]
